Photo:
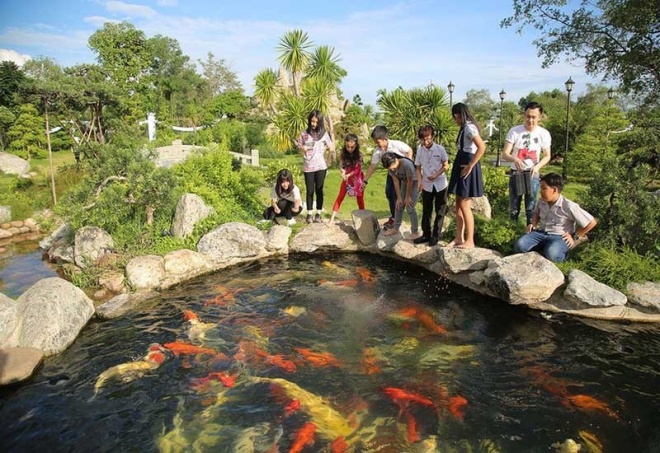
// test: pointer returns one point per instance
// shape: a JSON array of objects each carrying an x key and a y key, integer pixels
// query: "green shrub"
[
  {"x": 274, "y": 167},
  {"x": 496, "y": 234},
  {"x": 496, "y": 189},
  {"x": 614, "y": 266}
]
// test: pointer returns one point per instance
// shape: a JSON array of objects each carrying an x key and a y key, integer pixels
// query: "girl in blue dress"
[{"x": 466, "y": 180}]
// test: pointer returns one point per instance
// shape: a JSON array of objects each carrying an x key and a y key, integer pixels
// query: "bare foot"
[
  {"x": 455, "y": 243},
  {"x": 465, "y": 245},
  {"x": 414, "y": 236},
  {"x": 391, "y": 232}
]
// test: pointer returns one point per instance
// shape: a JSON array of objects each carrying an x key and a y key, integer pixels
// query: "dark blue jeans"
[
  {"x": 552, "y": 246},
  {"x": 530, "y": 201},
  {"x": 390, "y": 193}
]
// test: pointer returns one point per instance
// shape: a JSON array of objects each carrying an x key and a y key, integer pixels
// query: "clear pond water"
[{"x": 340, "y": 353}]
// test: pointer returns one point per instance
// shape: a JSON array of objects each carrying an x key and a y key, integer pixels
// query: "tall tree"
[
  {"x": 12, "y": 79},
  {"x": 406, "y": 110},
  {"x": 219, "y": 75},
  {"x": 617, "y": 39},
  {"x": 294, "y": 55}
]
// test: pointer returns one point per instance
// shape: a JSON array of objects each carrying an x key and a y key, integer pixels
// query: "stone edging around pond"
[{"x": 523, "y": 279}]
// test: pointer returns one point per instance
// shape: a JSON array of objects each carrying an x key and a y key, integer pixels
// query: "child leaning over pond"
[
  {"x": 404, "y": 176},
  {"x": 352, "y": 177},
  {"x": 285, "y": 198}
]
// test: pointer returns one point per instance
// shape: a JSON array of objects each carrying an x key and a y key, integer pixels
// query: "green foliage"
[
  {"x": 233, "y": 194},
  {"x": 405, "y": 111},
  {"x": 274, "y": 167},
  {"x": 628, "y": 214},
  {"x": 496, "y": 234},
  {"x": 496, "y": 188},
  {"x": 121, "y": 187},
  {"x": 27, "y": 133},
  {"x": 614, "y": 266},
  {"x": 614, "y": 39}
]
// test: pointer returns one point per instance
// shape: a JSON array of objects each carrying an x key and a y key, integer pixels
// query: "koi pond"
[{"x": 340, "y": 353}]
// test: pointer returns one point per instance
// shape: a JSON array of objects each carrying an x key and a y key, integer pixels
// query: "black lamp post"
[
  {"x": 499, "y": 149},
  {"x": 569, "y": 87},
  {"x": 450, "y": 88},
  {"x": 610, "y": 93}
]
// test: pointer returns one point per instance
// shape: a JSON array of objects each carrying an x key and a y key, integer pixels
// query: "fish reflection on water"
[{"x": 346, "y": 353}]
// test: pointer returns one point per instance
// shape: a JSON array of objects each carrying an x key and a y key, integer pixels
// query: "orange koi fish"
[
  {"x": 180, "y": 347},
  {"x": 365, "y": 274},
  {"x": 413, "y": 435},
  {"x": 350, "y": 283},
  {"x": 226, "y": 379},
  {"x": 292, "y": 407},
  {"x": 318, "y": 359},
  {"x": 304, "y": 437},
  {"x": 402, "y": 398},
  {"x": 281, "y": 362},
  {"x": 456, "y": 404},
  {"x": 339, "y": 445},
  {"x": 588, "y": 403},
  {"x": 425, "y": 319},
  {"x": 189, "y": 315}
]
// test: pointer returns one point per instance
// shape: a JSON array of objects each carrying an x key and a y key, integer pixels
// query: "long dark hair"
[
  {"x": 350, "y": 159},
  {"x": 320, "y": 127},
  {"x": 465, "y": 114},
  {"x": 283, "y": 175}
]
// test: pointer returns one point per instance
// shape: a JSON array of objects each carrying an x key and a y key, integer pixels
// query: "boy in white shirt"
[{"x": 432, "y": 162}]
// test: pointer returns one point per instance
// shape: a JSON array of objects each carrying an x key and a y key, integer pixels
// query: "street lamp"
[
  {"x": 569, "y": 87},
  {"x": 610, "y": 93},
  {"x": 450, "y": 88},
  {"x": 499, "y": 149}
]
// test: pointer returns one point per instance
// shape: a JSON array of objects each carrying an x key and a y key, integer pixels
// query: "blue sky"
[{"x": 383, "y": 44}]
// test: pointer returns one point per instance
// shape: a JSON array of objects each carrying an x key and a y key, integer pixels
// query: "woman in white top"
[
  {"x": 312, "y": 143},
  {"x": 284, "y": 198},
  {"x": 466, "y": 180}
]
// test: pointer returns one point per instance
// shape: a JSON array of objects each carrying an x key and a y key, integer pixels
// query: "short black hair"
[
  {"x": 388, "y": 159},
  {"x": 380, "y": 133},
  {"x": 553, "y": 180},
  {"x": 534, "y": 105}
]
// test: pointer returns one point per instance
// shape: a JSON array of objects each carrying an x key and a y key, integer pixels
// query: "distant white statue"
[{"x": 491, "y": 127}]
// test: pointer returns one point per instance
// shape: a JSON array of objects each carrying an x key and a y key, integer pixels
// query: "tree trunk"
[
  {"x": 331, "y": 131},
  {"x": 150, "y": 215},
  {"x": 50, "y": 154}
]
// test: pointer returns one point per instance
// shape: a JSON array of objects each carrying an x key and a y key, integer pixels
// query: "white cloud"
[
  {"x": 167, "y": 2},
  {"x": 11, "y": 55},
  {"x": 98, "y": 21},
  {"x": 130, "y": 9}
]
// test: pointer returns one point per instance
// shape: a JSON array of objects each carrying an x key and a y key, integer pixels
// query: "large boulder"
[
  {"x": 120, "y": 305},
  {"x": 8, "y": 321},
  {"x": 366, "y": 226},
  {"x": 233, "y": 242},
  {"x": 584, "y": 289},
  {"x": 189, "y": 210},
  {"x": 147, "y": 271},
  {"x": 51, "y": 314},
  {"x": 524, "y": 278},
  {"x": 18, "y": 364},
  {"x": 322, "y": 236},
  {"x": 645, "y": 294},
  {"x": 277, "y": 239},
  {"x": 182, "y": 265},
  {"x": 13, "y": 165},
  {"x": 455, "y": 259},
  {"x": 90, "y": 244}
]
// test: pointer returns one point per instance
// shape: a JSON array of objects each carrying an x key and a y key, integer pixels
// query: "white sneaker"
[{"x": 291, "y": 222}]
